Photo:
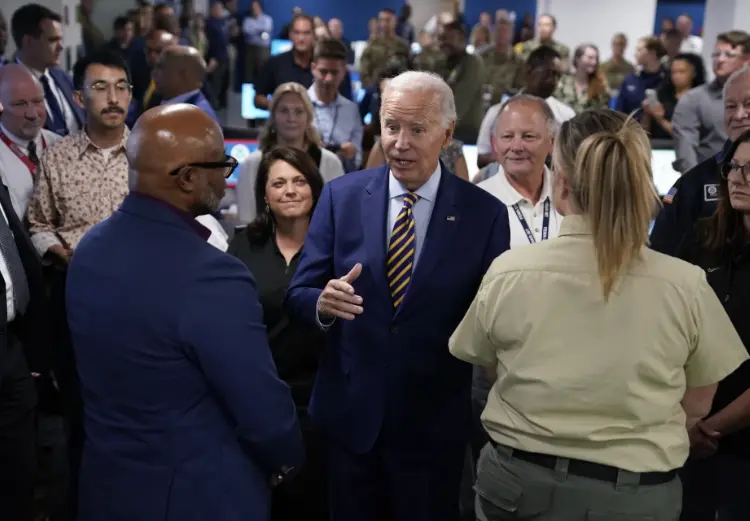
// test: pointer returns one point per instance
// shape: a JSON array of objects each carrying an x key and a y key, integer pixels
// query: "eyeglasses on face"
[
  {"x": 229, "y": 164},
  {"x": 101, "y": 88},
  {"x": 727, "y": 168}
]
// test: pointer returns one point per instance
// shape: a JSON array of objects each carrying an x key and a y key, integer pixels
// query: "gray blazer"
[{"x": 330, "y": 168}]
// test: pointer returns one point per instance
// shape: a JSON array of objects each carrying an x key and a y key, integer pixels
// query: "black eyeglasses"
[
  {"x": 727, "y": 168},
  {"x": 229, "y": 164}
]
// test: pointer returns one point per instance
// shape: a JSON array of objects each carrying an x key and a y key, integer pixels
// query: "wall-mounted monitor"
[
  {"x": 280, "y": 46},
  {"x": 248, "y": 108},
  {"x": 238, "y": 149}
]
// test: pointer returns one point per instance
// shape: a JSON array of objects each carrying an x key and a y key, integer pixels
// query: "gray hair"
[
  {"x": 736, "y": 75},
  {"x": 549, "y": 117},
  {"x": 419, "y": 81}
]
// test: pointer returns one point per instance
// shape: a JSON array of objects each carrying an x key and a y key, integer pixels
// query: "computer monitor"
[
  {"x": 238, "y": 149},
  {"x": 661, "y": 166},
  {"x": 280, "y": 46},
  {"x": 249, "y": 110}
]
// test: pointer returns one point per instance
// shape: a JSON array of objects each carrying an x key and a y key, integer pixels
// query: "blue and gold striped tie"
[{"x": 401, "y": 250}]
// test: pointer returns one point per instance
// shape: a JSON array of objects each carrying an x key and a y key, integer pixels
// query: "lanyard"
[
  {"x": 545, "y": 222},
  {"x": 19, "y": 153},
  {"x": 333, "y": 125}
]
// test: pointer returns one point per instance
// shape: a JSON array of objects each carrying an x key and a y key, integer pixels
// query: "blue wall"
[
  {"x": 672, "y": 9},
  {"x": 353, "y": 13}
]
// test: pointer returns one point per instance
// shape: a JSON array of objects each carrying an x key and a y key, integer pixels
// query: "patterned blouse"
[
  {"x": 567, "y": 93},
  {"x": 79, "y": 185}
]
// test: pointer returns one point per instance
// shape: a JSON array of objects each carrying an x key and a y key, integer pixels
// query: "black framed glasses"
[
  {"x": 728, "y": 168},
  {"x": 229, "y": 164}
]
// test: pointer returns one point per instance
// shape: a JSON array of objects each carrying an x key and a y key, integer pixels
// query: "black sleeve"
[
  {"x": 266, "y": 83},
  {"x": 682, "y": 208}
]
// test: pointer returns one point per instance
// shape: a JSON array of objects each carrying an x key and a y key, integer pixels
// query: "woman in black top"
[
  {"x": 287, "y": 188},
  {"x": 717, "y": 476},
  {"x": 686, "y": 72}
]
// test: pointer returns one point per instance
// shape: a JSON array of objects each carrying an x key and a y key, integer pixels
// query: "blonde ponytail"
[{"x": 607, "y": 159}]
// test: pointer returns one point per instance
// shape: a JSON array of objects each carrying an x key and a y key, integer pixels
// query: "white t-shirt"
[
  {"x": 533, "y": 215},
  {"x": 561, "y": 111}
]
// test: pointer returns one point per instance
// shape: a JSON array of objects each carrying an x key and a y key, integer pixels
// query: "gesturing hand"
[{"x": 338, "y": 298}]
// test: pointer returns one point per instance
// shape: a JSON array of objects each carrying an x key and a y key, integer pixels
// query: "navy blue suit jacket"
[
  {"x": 65, "y": 83},
  {"x": 186, "y": 418},
  {"x": 387, "y": 370}
]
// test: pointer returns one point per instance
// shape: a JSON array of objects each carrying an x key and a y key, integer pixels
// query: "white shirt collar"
[
  {"x": 427, "y": 191},
  {"x": 314, "y": 97},
  {"x": 499, "y": 186}
]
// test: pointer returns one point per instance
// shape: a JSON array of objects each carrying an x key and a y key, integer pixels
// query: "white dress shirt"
[
  {"x": 499, "y": 186},
  {"x": 70, "y": 116},
  {"x": 5, "y": 272},
  {"x": 692, "y": 45},
  {"x": 15, "y": 174}
]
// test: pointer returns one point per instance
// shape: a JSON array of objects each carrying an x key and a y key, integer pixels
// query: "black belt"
[{"x": 588, "y": 469}]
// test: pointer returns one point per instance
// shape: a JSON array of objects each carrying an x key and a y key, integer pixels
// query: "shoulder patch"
[
  {"x": 670, "y": 195},
  {"x": 710, "y": 192}
]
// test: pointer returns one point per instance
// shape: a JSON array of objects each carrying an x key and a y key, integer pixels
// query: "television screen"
[
  {"x": 280, "y": 46},
  {"x": 238, "y": 149},
  {"x": 249, "y": 110}
]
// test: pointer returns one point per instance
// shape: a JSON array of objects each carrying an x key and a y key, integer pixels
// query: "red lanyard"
[{"x": 19, "y": 153}]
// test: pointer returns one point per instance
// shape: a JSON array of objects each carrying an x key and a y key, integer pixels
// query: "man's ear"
[{"x": 78, "y": 98}]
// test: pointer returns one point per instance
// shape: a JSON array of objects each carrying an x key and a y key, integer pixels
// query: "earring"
[{"x": 268, "y": 208}]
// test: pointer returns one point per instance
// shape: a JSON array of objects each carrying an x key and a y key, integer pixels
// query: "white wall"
[
  {"x": 71, "y": 31},
  {"x": 596, "y": 21},
  {"x": 722, "y": 16},
  {"x": 423, "y": 10}
]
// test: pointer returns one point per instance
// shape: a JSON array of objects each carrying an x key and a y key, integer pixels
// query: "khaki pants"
[{"x": 513, "y": 489}]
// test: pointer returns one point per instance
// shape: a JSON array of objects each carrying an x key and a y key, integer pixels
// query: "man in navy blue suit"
[
  {"x": 393, "y": 257},
  {"x": 186, "y": 418},
  {"x": 37, "y": 33}
]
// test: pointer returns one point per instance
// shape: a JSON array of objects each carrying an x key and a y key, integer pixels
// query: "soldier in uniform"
[
  {"x": 546, "y": 26},
  {"x": 430, "y": 58},
  {"x": 504, "y": 70},
  {"x": 617, "y": 68},
  {"x": 385, "y": 50}
]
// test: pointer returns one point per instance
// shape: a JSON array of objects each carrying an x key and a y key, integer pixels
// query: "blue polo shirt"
[{"x": 633, "y": 90}]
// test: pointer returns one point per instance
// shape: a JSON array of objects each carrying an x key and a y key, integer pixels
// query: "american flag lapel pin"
[{"x": 451, "y": 218}]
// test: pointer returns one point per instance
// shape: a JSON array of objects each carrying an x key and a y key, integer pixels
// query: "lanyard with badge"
[
  {"x": 327, "y": 142},
  {"x": 525, "y": 225},
  {"x": 28, "y": 163}
]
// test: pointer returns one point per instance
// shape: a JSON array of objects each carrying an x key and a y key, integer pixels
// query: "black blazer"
[{"x": 31, "y": 328}]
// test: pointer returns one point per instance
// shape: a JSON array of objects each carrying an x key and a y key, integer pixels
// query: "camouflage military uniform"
[
  {"x": 523, "y": 49},
  {"x": 567, "y": 93},
  {"x": 431, "y": 59},
  {"x": 617, "y": 72},
  {"x": 503, "y": 73},
  {"x": 380, "y": 53}
]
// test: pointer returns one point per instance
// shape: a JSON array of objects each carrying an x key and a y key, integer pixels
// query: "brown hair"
[
  {"x": 725, "y": 228},
  {"x": 655, "y": 45},
  {"x": 606, "y": 158},
  {"x": 262, "y": 226},
  {"x": 330, "y": 50},
  {"x": 597, "y": 81},
  {"x": 268, "y": 136},
  {"x": 736, "y": 39}
]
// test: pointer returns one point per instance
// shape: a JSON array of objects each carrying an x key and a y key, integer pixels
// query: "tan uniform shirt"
[
  {"x": 79, "y": 186},
  {"x": 585, "y": 378}
]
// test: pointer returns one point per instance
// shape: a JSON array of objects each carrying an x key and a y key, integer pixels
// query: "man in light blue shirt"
[
  {"x": 256, "y": 29},
  {"x": 336, "y": 118}
]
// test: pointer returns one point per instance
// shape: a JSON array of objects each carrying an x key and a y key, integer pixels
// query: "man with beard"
[
  {"x": 185, "y": 411},
  {"x": 81, "y": 180}
]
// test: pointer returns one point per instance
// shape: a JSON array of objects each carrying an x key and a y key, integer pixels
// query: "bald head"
[
  {"x": 23, "y": 98},
  {"x": 157, "y": 41},
  {"x": 180, "y": 69},
  {"x": 164, "y": 143}
]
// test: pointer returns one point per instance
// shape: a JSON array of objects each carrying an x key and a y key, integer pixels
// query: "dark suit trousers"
[
  {"x": 17, "y": 441},
  {"x": 395, "y": 484},
  {"x": 67, "y": 377}
]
